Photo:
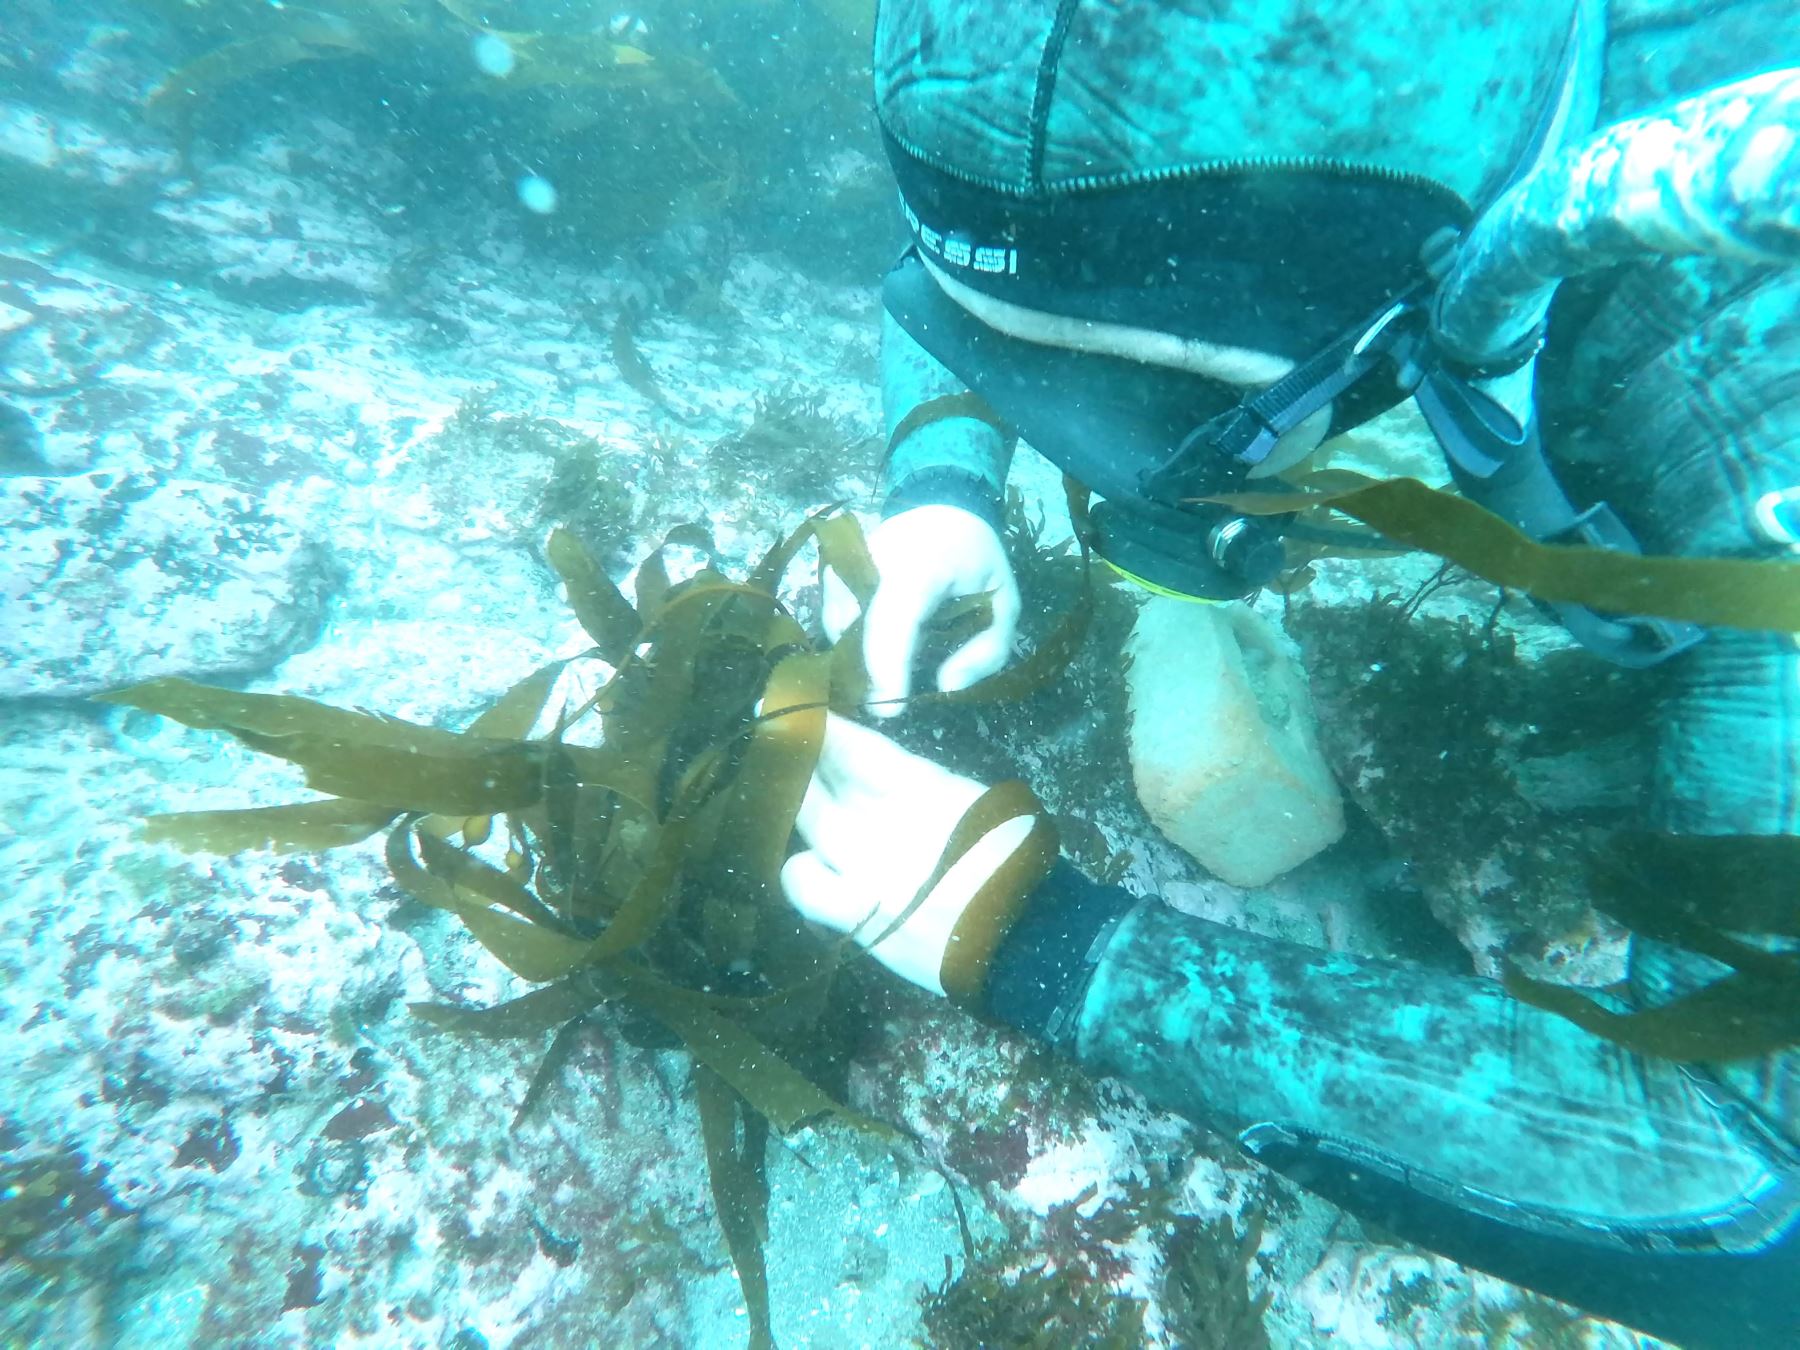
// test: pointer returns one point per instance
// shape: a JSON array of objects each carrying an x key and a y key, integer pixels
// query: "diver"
[{"x": 1176, "y": 247}]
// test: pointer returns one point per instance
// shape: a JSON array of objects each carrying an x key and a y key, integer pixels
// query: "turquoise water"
[{"x": 417, "y": 358}]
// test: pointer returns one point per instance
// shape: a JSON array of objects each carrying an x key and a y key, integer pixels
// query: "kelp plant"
[
  {"x": 1752, "y": 593},
  {"x": 663, "y": 106},
  {"x": 642, "y": 868}
]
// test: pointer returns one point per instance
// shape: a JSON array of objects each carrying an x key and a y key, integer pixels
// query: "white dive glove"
[
  {"x": 875, "y": 820},
  {"x": 925, "y": 556}
]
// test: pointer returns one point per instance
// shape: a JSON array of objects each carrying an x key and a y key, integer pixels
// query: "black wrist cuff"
[
  {"x": 946, "y": 486},
  {"x": 1040, "y": 972}
]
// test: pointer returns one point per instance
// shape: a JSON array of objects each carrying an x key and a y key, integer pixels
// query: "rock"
[
  {"x": 265, "y": 233},
  {"x": 1224, "y": 748},
  {"x": 1365, "y": 1297},
  {"x": 111, "y": 578},
  {"x": 1494, "y": 758},
  {"x": 21, "y": 445},
  {"x": 55, "y": 165},
  {"x": 1396, "y": 444}
]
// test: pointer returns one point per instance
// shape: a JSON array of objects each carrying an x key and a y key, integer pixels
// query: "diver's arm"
[
  {"x": 1488, "y": 1130},
  {"x": 1446, "y": 1074},
  {"x": 1484, "y": 1129},
  {"x": 1456, "y": 1085},
  {"x": 1672, "y": 385},
  {"x": 939, "y": 537},
  {"x": 1716, "y": 175},
  {"x": 950, "y": 461}
]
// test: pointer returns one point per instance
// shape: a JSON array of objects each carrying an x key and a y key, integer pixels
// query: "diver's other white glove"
[
  {"x": 927, "y": 555},
  {"x": 875, "y": 820}
]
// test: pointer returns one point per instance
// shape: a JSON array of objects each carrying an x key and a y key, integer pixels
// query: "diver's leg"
[{"x": 1499, "y": 1134}]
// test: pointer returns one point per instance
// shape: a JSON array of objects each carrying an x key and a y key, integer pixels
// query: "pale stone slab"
[{"x": 1224, "y": 747}]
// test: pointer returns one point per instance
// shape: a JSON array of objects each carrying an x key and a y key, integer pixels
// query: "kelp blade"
[
  {"x": 943, "y": 408},
  {"x": 479, "y": 778},
  {"x": 769, "y": 1083},
  {"x": 999, "y": 804},
  {"x": 652, "y": 587},
  {"x": 300, "y": 827},
  {"x": 648, "y": 904},
  {"x": 528, "y": 1016},
  {"x": 1735, "y": 883},
  {"x": 1682, "y": 892},
  {"x": 686, "y": 778},
  {"x": 463, "y": 871},
  {"x": 1051, "y": 657},
  {"x": 206, "y": 707},
  {"x": 990, "y": 914},
  {"x": 740, "y": 1193},
  {"x": 845, "y": 551},
  {"x": 768, "y": 573},
  {"x": 1758, "y": 594},
  {"x": 599, "y": 607},
  {"x": 574, "y": 61},
  {"x": 562, "y": 1046},
  {"x": 1739, "y": 1017},
  {"x": 351, "y": 754},
  {"x": 312, "y": 37},
  {"x": 531, "y": 951},
  {"x": 655, "y": 696},
  {"x": 512, "y": 715},
  {"x": 778, "y": 765}
]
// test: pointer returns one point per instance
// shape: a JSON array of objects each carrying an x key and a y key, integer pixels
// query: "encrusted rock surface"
[
  {"x": 1446, "y": 714},
  {"x": 260, "y": 230},
  {"x": 113, "y": 577}
]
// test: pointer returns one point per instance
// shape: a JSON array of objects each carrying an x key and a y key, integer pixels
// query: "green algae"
[
  {"x": 1432, "y": 723},
  {"x": 59, "y": 1230},
  {"x": 1427, "y": 720},
  {"x": 1207, "y": 1299},
  {"x": 792, "y": 447},
  {"x": 43, "y": 1194},
  {"x": 1036, "y": 1308}
]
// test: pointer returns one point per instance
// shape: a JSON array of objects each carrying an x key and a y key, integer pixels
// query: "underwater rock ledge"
[{"x": 111, "y": 577}]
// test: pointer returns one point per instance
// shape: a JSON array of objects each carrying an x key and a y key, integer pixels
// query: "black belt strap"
[
  {"x": 1245, "y": 434},
  {"x": 1500, "y": 465}
]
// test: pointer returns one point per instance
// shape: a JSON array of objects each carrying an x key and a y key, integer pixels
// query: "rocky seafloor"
[{"x": 271, "y": 441}]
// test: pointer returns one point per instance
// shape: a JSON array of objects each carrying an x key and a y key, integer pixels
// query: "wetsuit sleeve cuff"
[
  {"x": 1040, "y": 971},
  {"x": 946, "y": 487}
]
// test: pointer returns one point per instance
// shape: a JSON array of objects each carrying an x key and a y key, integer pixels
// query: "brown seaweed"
[
  {"x": 642, "y": 871},
  {"x": 1759, "y": 594},
  {"x": 1682, "y": 892},
  {"x": 630, "y": 363}
]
